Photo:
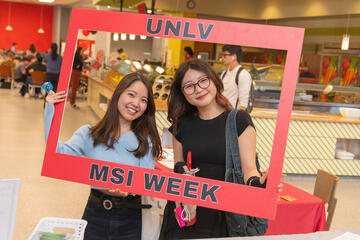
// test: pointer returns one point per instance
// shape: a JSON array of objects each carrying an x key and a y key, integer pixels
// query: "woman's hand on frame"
[
  {"x": 53, "y": 97},
  {"x": 264, "y": 177}
]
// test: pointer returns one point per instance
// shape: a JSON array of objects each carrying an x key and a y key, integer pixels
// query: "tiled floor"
[{"x": 21, "y": 154}]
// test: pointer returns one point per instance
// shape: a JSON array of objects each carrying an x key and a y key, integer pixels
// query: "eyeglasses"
[
  {"x": 225, "y": 54},
  {"x": 203, "y": 83}
]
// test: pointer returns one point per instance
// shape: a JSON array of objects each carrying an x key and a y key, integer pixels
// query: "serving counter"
[{"x": 312, "y": 142}]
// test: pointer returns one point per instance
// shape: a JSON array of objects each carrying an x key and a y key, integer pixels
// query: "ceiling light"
[
  {"x": 41, "y": 30},
  {"x": 108, "y": 6},
  {"x": 143, "y": 37},
  {"x": 345, "y": 42},
  {"x": 123, "y": 36},
  {"x": 148, "y": 68},
  {"x": 160, "y": 70},
  {"x": 47, "y": 1},
  {"x": 9, "y": 27},
  {"x": 116, "y": 37},
  {"x": 137, "y": 65},
  {"x": 132, "y": 36}
]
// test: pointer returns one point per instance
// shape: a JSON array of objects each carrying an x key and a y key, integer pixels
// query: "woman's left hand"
[{"x": 264, "y": 177}]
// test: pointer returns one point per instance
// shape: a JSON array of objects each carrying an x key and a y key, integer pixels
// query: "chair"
[
  {"x": 49, "y": 224},
  {"x": 5, "y": 73},
  {"x": 37, "y": 80},
  {"x": 325, "y": 187}
]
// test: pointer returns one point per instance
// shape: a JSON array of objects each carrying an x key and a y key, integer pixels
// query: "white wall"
[
  {"x": 56, "y": 25},
  {"x": 135, "y": 49}
]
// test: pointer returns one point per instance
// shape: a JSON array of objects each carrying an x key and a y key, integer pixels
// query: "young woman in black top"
[{"x": 198, "y": 112}]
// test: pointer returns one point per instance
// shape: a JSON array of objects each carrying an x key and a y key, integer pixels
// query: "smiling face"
[
  {"x": 133, "y": 102},
  {"x": 202, "y": 96}
]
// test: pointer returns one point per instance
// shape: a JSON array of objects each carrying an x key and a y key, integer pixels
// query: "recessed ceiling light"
[{"x": 47, "y": 1}]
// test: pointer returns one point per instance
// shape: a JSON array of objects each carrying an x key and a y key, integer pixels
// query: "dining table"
[{"x": 297, "y": 212}]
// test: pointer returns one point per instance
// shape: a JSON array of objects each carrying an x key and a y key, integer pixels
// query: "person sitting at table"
[
  {"x": 2, "y": 55},
  {"x": 13, "y": 47},
  {"x": 36, "y": 66},
  {"x": 20, "y": 73},
  {"x": 31, "y": 51},
  {"x": 8, "y": 62}
]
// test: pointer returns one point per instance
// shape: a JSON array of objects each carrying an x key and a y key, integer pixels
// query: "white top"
[{"x": 231, "y": 92}]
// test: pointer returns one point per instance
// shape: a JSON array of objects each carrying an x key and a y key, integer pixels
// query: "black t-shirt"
[
  {"x": 36, "y": 66},
  {"x": 205, "y": 139}
]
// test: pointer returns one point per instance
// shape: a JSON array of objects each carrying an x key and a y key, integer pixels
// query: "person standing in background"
[
  {"x": 122, "y": 54},
  {"x": 53, "y": 65},
  {"x": 231, "y": 57},
  {"x": 31, "y": 51},
  {"x": 188, "y": 53},
  {"x": 75, "y": 75}
]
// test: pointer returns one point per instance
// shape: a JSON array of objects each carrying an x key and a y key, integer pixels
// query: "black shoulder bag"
[{"x": 238, "y": 224}]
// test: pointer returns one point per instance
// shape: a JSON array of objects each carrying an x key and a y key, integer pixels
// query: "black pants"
[
  {"x": 118, "y": 223},
  {"x": 53, "y": 78}
]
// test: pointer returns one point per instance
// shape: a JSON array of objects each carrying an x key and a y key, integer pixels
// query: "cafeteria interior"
[{"x": 324, "y": 131}]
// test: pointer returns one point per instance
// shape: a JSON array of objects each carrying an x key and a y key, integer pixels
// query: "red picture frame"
[{"x": 193, "y": 190}]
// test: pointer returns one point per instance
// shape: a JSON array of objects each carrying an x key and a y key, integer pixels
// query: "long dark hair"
[
  {"x": 32, "y": 48},
  {"x": 78, "y": 55},
  {"x": 144, "y": 127},
  {"x": 54, "y": 53},
  {"x": 178, "y": 106}
]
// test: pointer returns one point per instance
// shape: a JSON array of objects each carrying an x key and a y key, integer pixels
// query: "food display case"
[{"x": 161, "y": 90}]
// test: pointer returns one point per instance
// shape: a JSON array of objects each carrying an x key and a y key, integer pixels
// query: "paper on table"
[{"x": 348, "y": 236}]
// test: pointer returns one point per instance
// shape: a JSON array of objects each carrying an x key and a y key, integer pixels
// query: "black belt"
[{"x": 112, "y": 202}]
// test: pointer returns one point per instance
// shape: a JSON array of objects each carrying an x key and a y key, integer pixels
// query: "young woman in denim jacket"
[
  {"x": 126, "y": 134},
  {"x": 197, "y": 111}
]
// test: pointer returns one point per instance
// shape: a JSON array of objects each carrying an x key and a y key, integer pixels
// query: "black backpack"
[{"x": 251, "y": 91}]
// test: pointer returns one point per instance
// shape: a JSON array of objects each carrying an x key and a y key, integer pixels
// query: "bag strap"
[
  {"x": 232, "y": 145},
  {"x": 237, "y": 75},
  {"x": 223, "y": 74},
  {"x": 237, "y": 83}
]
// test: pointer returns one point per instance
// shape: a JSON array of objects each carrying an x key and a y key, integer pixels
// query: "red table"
[{"x": 304, "y": 215}]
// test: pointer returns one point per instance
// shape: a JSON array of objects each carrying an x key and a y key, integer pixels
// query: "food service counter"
[{"x": 312, "y": 141}]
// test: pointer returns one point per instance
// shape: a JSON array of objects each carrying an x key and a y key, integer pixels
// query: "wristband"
[
  {"x": 179, "y": 167},
  {"x": 254, "y": 181}
]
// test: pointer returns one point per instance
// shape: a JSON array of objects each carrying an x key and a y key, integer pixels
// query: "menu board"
[{"x": 9, "y": 190}]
